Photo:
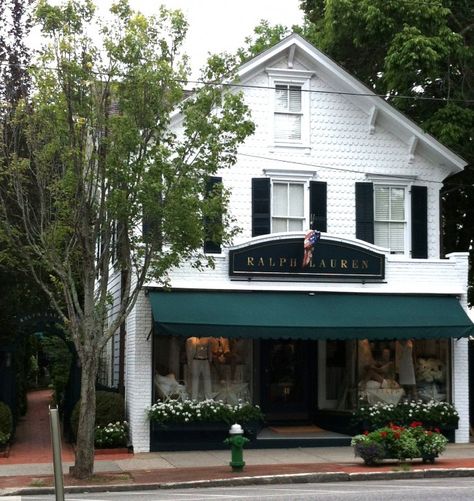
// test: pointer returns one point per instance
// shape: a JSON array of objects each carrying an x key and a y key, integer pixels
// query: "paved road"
[{"x": 420, "y": 489}]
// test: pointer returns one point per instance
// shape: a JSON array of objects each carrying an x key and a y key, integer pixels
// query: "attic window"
[
  {"x": 290, "y": 107},
  {"x": 288, "y": 112}
]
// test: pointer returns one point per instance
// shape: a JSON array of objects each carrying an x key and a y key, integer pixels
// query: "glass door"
[{"x": 287, "y": 376}]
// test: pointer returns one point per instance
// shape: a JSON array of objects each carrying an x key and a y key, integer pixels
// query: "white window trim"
[
  {"x": 291, "y": 77},
  {"x": 400, "y": 183},
  {"x": 297, "y": 176}
]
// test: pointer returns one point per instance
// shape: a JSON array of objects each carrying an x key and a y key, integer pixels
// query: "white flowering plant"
[
  {"x": 175, "y": 411},
  {"x": 111, "y": 435},
  {"x": 432, "y": 414}
]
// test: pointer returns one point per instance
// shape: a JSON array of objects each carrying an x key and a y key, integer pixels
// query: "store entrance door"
[{"x": 288, "y": 371}]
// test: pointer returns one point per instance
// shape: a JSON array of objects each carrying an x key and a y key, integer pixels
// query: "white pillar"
[{"x": 138, "y": 373}]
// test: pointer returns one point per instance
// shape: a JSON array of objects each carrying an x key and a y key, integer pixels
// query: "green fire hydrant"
[{"x": 236, "y": 442}]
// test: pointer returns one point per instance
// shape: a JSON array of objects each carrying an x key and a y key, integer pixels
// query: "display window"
[
  {"x": 406, "y": 369},
  {"x": 388, "y": 371},
  {"x": 201, "y": 368}
]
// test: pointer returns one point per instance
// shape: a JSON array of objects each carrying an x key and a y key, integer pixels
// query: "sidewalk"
[
  {"x": 28, "y": 469},
  {"x": 178, "y": 469}
]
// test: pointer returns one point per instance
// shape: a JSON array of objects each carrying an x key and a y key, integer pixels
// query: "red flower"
[
  {"x": 396, "y": 435},
  {"x": 366, "y": 432},
  {"x": 383, "y": 434},
  {"x": 415, "y": 424},
  {"x": 437, "y": 430},
  {"x": 429, "y": 432}
]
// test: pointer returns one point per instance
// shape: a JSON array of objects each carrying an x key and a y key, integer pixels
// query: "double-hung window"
[
  {"x": 288, "y": 112},
  {"x": 390, "y": 222},
  {"x": 288, "y": 206},
  {"x": 289, "y": 108}
]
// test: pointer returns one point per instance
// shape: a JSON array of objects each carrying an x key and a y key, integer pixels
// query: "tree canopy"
[
  {"x": 420, "y": 55},
  {"x": 100, "y": 158}
]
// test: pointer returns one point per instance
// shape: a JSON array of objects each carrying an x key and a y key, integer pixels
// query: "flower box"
[
  {"x": 432, "y": 414},
  {"x": 195, "y": 425}
]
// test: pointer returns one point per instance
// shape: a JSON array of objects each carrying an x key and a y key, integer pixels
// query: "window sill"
[{"x": 292, "y": 146}]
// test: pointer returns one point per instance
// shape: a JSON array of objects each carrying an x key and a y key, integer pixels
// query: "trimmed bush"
[
  {"x": 6, "y": 422},
  {"x": 110, "y": 408}
]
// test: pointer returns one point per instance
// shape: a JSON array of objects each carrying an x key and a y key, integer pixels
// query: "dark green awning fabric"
[{"x": 266, "y": 315}]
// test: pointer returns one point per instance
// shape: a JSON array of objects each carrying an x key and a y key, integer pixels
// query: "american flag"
[{"x": 310, "y": 239}]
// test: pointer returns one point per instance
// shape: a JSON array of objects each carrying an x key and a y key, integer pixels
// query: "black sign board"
[{"x": 284, "y": 258}]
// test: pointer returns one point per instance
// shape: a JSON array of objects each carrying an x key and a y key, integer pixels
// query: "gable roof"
[{"x": 381, "y": 111}]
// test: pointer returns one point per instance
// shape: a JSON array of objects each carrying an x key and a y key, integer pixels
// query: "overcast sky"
[
  {"x": 214, "y": 25},
  {"x": 222, "y": 25}
]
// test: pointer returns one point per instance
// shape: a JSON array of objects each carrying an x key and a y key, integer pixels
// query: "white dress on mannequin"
[
  {"x": 406, "y": 369},
  {"x": 199, "y": 355}
]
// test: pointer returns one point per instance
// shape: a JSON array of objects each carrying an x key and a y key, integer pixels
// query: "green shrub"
[
  {"x": 6, "y": 420},
  {"x": 110, "y": 408}
]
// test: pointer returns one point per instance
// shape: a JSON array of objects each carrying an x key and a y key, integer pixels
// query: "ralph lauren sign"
[{"x": 284, "y": 257}]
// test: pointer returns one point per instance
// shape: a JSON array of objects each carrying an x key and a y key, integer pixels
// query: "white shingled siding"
[{"x": 342, "y": 151}]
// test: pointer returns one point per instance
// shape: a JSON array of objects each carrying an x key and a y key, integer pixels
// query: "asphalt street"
[{"x": 452, "y": 489}]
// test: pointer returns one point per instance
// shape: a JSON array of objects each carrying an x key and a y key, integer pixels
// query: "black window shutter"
[
  {"x": 364, "y": 194},
  {"x": 260, "y": 206},
  {"x": 318, "y": 205},
  {"x": 419, "y": 222},
  {"x": 211, "y": 246}
]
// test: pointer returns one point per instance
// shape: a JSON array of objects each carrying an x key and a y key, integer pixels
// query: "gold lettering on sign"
[
  {"x": 322, "y": 263},
  {"x": 333, "y": 263},
  {"x": 250, "y": 261},
  {"x": 365, "y": 264},
  {"x": 282, "y": 261},
  {"x": 261, "y": 262},
  {"x": 271, "y": 263},
  {"x": 355, "y": 264},
  {"x": 293, "y": 262},
  {"x": 344, "y": 263},
  {"x": 311, "y": 264}
]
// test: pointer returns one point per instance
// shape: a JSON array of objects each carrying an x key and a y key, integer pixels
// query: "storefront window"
[
  {"x": 202, "y": 368},
  {"x": 391, "y": 371}
]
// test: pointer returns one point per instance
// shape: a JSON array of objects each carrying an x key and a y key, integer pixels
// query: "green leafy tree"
[
  {"x": 418, "y": 53},
  {"x": 421, "y": 50},
  {"x": 101, "y": 160}
]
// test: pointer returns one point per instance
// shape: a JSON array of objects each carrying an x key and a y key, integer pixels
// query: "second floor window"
[
  {"x": 288, "y": 113},
  {"x": 390, "y": 218},
  {"x": 287, "y": 207}
]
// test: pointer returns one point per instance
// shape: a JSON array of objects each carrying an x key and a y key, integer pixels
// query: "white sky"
[
  {"x": 222, "y": 25},
  {"x": 214, "y": 25}
]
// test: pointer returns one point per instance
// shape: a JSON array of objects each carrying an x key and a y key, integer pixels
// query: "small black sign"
[{"x": 284, "y": 258}]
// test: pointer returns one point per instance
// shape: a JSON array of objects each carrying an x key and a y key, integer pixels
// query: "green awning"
[{"x": 302, "y": 315}]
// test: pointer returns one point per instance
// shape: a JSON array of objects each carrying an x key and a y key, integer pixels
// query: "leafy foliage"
[
  {"x": 110, "y": 408},
  {"x": 6, "y": 423},
  {"x": 420, "y": 55},
  {"x": 100, "y": 159},
  {"x": 399, "y": 49},
  {"x": 399, "y": 442},
  {"x": 175, "y": 411},
  {"x": 111, "y": 435},
  {"x": 433, "y": 413}
]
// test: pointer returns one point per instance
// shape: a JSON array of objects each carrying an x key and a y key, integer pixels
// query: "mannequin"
[
  {"x": 199, "y": 355},
  {"x": 406, "y": 367}
]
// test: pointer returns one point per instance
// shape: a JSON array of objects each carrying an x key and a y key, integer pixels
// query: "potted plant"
[
  {"x": 399, "y": 442},
  {"x": 192, "y": 424}
]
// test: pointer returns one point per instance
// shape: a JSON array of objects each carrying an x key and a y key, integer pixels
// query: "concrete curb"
[{"x": 294, "y": 478}]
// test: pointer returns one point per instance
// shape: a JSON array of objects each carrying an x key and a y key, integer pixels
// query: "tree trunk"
[{"x": 84, "y": 464}]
